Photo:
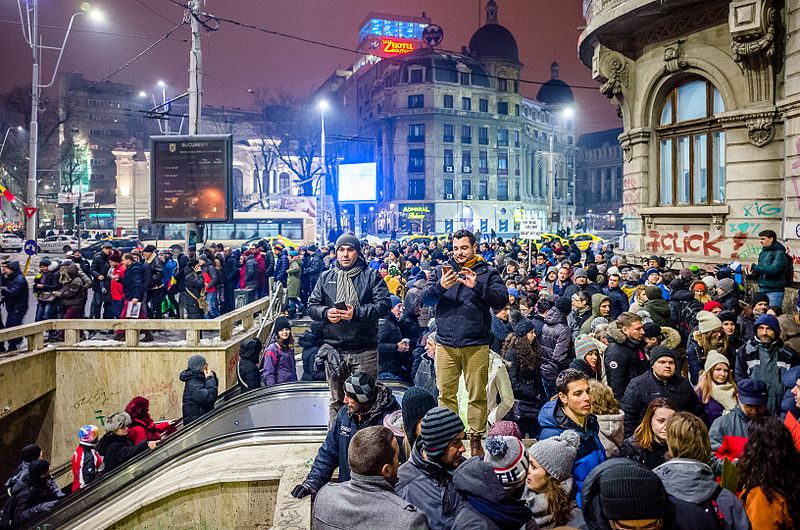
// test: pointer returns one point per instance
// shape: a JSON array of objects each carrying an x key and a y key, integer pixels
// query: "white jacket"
[{"x": 499, "y": 393}]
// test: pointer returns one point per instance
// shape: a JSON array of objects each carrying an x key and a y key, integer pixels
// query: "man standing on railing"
[{"x": 349, "y": 299}]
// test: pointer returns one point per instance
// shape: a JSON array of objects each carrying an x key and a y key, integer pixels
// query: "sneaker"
[{"x": 475, "y": 446}]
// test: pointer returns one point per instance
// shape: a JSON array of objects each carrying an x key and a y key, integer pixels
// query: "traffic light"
[{"x": 79, "y": 216}]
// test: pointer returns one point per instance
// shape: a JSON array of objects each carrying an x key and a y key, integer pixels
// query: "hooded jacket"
[
  {"x": 463, "y": 316},
  {"x": 597, "y": 300},
  {"x": 590, "y": 452},
  {"x": 619, "y": 300},
  {"x": 485, "y": 504},
  {"x": 577, "y": 319},
  {"x": 728, "y": 435},
  {"x": 392, "y": 363},
  {"x": 624, "y": 360},
  {"x": 98, "y": 267},
  {"x": 659, "y": 312},
  {"x": 647, "y": 387},
  {"x": 72, "y": 292},
  {"x": 310, "y": 342},
  {"x": 133, "y": 283},
  {"x": 247, "y": 371},
  {"x": 279, "y": 365},
  {"x": 749, "y": 365},
  {"x": 612, "y": 432},
  {"x": 116, "y": 450},
  {"x": 49, "y": 282},
  {"x": 15, "y": 291},
  {"x": 358, "y": 334},
  {"x": 248, "y": 272},
  {"x": 333, "y": 452},
  {"x": 199, "y": 394},
  {"x": 282, "y": 267},
  {"x": 34, "y": 498},
  {"x": 694, "y": 482},
  {"x": 87, "y": 464},
  {"x": 556, "y": 344},
  {"x": 650, "y": 458},
  {"x": 770, "y": 268}
]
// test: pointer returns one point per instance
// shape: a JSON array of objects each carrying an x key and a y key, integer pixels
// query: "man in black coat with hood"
[
  {"x": 624, "y": 357},
  {"x": 15, "y": 296},
  {"x": 200, "y": 390}
]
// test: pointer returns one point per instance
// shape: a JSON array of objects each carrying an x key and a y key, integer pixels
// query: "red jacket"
[
  {"x": 117, "y": 292},
  {"x": 86, "y": 466},
  {"x": 794, "y": 427},
  {"x": 141, "y": 431}
]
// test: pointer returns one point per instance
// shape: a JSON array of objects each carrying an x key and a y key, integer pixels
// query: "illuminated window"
[{"x": 691, "y": 146}]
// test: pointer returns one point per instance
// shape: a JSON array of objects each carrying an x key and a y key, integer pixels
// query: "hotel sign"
[{"x": 396, "y": 47}]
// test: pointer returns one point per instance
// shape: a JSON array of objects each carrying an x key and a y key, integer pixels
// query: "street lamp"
[
  {"x": 3, "y": 146},
  {"x": 495, "y": 218},
  {"x": 322, "y": 105},
  {"x": 29, "y": 20}
]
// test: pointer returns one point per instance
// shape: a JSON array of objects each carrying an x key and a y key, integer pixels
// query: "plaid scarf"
[{"x": 345, "y": 289}]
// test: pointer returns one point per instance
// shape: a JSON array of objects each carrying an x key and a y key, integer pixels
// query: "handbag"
[{"x": 201, "y": 300}]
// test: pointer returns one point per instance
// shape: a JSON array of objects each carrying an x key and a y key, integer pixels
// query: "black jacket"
[
  {"x": 463, "y": 316},
  {"x": 199, "y": 394},
  {"x": 525, "y": 383},
  {"x": 651, "y": 458},
  {"x": 156, "y": 277},
  {"x": 15, "y": 291},
  {"x": 748, "y": 364},
  {"x": 248, "y": 373},
  {"x": 230, "y": 271},
  {"x": 310, "y": 342},
  {"x": 390, "y": 360},
  {"x": 619, "y": 302},
  {"x": 358, "y": 334},
  {"x": 99, "y": 267},
  {"x": 193, "y": 282},
  {"x": 646, "y": 387},
  {"x": 624, "y": 360},
  {"x": 133, "y": 283},
  {"x": 32, "y": 500},
  {"x": 116, "y": 450},
  {"x": 556, "y": 342}
]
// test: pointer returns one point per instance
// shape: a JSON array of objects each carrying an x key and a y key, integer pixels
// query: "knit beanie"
[
  {"x": 349, "y": 240},
  {"x": 653, "y": 292},
  {"x": 282, "y": 323},
  {"x": 523, "y": 327},
  {"x": 583, "y": 345},
  {"x": 685, "y": 274},
  {"x": 394, "y": 300},
  {"x": 725, "y": 285},
  {"x": 612, "y": 271},
  {"x": 557, "y": 454},
  {"x": 598, "y": 321},
  {"x": 662, "y": 351},
  {"x": 196, "y": 363},
  {"x": 564, "y": 305},
  {"x": 507, "y": 456},
  {"x": 505, "y": 428},
  {"x": 512, "y": 291},
  {"x": 652, "y": 330},
  {"x": 727, "y": 316},
  {"x": 416, "y": 402},
  {"x": 361, "y": 387},
  {"x": 439, "y": 426},
  {"x": 630, "y": 491},
  {"x": 713, "y": 359},
  {"x": 710, "y": 281},
  {"x": 648, "y": 272},
  {"x": 753, "y": 392},
  {"x": 707, "y": 321},
  {"x": 580, "y": 273},
  {"x": 768, "y": 320},
  {"x": 38, "y": 468},
  {"x": 117, "y": 420},
  {"x": 711, "y": 305},
  {"x": 759, "y": 297},
  {"x": 31, "y": 452},
  {"x": 88, "y": 434}
]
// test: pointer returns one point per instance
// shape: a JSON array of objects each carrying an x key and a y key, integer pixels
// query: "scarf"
[
  {"x": 724, "y": 395},
  {"x": 508, "y": 514},
  {"x": 538, "y": 504},
  {"x": 345, "y": 290},
  {"x": 474, "y": 260}
]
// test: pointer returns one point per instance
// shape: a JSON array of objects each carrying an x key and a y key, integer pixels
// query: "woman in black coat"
[
  {"x": 115, "y": 446},
  {"x": 200, "y": 389},
  {"x": 247, "y": 371},
  {"x": 522, "y": 352},
  {"x": 394, "y": 352}
]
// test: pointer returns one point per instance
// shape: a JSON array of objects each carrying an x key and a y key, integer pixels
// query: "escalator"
[{"x": 297, "y": 409}]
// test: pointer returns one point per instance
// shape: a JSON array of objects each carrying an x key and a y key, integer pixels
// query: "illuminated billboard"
[
  {"x": 191, "y": 178},
  {"x": 396, "y": 47},
  {"x": 358, "y": 182}
]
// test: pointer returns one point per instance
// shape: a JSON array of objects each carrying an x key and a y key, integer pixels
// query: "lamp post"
[
  {"x": 323, "y": 106},
  {"x": 29, "y": 19},
  {"x": 3, "y": 146},
  {"x": 495, "y": 218},
  {"x": 566, "y": 113}
]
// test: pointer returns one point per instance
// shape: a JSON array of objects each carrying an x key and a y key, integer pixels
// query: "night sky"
[{"x": 237, "y": 59}]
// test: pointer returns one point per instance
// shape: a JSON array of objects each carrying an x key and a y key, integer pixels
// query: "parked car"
[
  {"x": 583, "y": 240},
  {"x": 10, "y": 241},
  {"x": 58, "y": 244},
  {"x": 123, "y": 244}
]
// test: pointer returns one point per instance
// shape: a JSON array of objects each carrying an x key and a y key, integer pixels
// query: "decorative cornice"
[
  {"x": 629, "y": 139},
  {"x": 755, "y": 35},
  {"x": 760, "y": 125}
]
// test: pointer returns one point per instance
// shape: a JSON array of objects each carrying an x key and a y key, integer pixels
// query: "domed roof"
[
  {"x": 493, "y": 41},
  {"x": 555, "y": 91}
]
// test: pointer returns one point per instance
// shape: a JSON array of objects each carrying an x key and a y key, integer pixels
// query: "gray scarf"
[{"x": 345, "y": 289}]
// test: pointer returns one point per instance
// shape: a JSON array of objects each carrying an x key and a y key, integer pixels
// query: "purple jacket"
[{"x": 279, "y": 366}]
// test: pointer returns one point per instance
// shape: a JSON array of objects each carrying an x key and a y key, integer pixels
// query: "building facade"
[
  {"x": 456, "y": 145},
  {"x": 599, "y": 168},
  {"x": 710, "y": 102}
]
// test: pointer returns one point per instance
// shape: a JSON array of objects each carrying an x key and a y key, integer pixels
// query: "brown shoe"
[{"x": 475, "y": 447}]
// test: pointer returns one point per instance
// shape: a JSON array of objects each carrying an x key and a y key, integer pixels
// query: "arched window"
[{"x": 691, "y": 144}]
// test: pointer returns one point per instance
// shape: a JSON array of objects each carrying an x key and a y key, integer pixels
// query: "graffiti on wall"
[
  {"x": 686, "y": 242},
  {"x": 765, "y": 209}
]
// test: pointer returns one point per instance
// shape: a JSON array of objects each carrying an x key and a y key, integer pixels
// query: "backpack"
[{"x": 687, "y": 320}]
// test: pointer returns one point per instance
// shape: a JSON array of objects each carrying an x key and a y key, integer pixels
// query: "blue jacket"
[
  {"x": 133, "y": 283},
  {"x": 15, "y": 291},
  {"x": 170, "y": 267},
  {"x": 590, "y": 453},
  {"x": 463, "y": 316},
  {"x": 282, "y": 268},
  {"x": 333, "y": 452}
]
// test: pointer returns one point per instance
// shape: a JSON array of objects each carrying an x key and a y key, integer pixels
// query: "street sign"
[
  {"x": 30, "y": 211},
  {"x": 67, "y": 198},
  {"x": 432, "y": 35},
  {"x": 87, "y": 198},
  {"x": 529, "y": 229},
  {"x": 30, "y": 247}
]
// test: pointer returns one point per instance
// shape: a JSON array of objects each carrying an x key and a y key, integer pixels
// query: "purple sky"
[{"x": 237, "y": 59}]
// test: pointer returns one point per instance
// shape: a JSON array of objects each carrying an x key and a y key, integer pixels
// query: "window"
[
  {"x": 483, "y": 136},
  {"x": 691, "y": 146},
  {"x": 416, "y": 101},
  {"x": 448, "y": 188},
  {"x": 502, "y": 164},
  {"x": 466, "y": 161},
  {"x": 416, "y": 160},
  {"x": 415, "y": 75},
  {"x": 448, "y": 101},
  {"x": 466, "y": 103},
  {"x": 449, "y": 161},
  {"x": 502, "y": 108},
  {"x": 502, "y": 137},
  {"x": 502, "y": 84},
  {"x": 516, "y": 110},
  {"x": 483, "y": 162},
  {"x": 466, "y": 189},
  {"x": 502, "y": 189},
  {"x": 416, "y": 189},
  {"x": 466, "y": 134},
  {"x": 483, "y": 189},
  {"x": 464, "y": 78},
  {"x": 449, "y": 132},
  {"x": 516, "y": 138},
  {"x": 483, "y": 105},
  {"x": 416, "y": 132}
]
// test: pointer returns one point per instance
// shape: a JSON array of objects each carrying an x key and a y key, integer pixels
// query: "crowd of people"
[{"x": 590, "y": 393}]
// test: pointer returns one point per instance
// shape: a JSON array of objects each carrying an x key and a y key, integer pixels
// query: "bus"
[{"x": 283, "y": 225}]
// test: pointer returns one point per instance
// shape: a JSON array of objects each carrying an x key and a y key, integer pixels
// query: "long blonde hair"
[
  {"x": 706, "y": 383},
  {"x": 559, "y": 502}
]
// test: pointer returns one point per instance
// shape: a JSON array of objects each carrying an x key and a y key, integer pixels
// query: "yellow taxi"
[
  {"x": 583, "y": 240},
  {"x": 551, "y": 238},
  {"x": 275, "y": 240}
]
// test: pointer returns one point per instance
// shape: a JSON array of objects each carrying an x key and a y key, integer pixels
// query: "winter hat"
[
  {"x": 45, "y": 262},
  {"x": 648, "y": 272},
  {"x": 196, "y": 363},
  {"x": 598, "y": 321},
  {"x": 580, "y": 273},
  {"x": 707, "y": 321},
  {"x": 630, "y": 491},
  {"x": 38, "y": 468},
  {"x": 523, "y": 327},
  {"x": 713, "y": 359},
  {"x": 507, "y": 456},
  {"x": 117, "y": 420},
  {"x": 394, "y": 300},
  {"x": 282, "y": 323},
  {"x": 653, "y": 293},
  {"x": 645, "y": 316},
  {"x": 250, "y": 349},
  {"x": 31, "y": 452},
  {"x": 552, "y": 269},
  {"x": 727, "y": 316},
  {"x": 557, "y": 454},
  {"x": 87, "y": 434},
  {"x": 416, "y": 403},
  {"x": 711, "y": 305},
  {"x": 138, "y": 407},
  {"x": 115, "y": 256},
  {"x": 759, "y": 297},
  {"x": 686, "y": 274},
  {"x": 652, "y": 330},
  {"x": 350, "y": 240},
  {"x": 710, "y": 281},
  {"x": 149, "y": 248},
  {"x": 612, "y": 270},
  {"x": 725, "y": 286},
  {"x": 583, "y": 345},
  {"x": 753, "y": 392},
  {"x": 724, "y": 273},
  {"x": 439, "y": 426},
  {"x": 662, "y": 351},
  {"x": 564, "y": 305},
  {"x": 505, "y": 428},
  {"x": 513, "y": 292},
  {"x": 361, "y": 387},
  {"x": 768, "y": 320}
]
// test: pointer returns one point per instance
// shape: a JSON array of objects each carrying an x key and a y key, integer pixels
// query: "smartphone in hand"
[{"x": 341, "y": 306}]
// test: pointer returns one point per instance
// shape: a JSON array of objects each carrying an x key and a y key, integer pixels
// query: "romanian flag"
[{"x": 7, "y": 193}]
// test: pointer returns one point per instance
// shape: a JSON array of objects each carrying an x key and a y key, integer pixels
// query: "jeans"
[
  {"x": 364, "y": 361},
  {"x": 154, "y": 299},
  {"x": 116, "y": 308},
  {"x": 473, "y": 362},
  {"x": 211, "y": 300},
  {"x": 775, "y": 298},
  {"x": 44, "y": 311}
]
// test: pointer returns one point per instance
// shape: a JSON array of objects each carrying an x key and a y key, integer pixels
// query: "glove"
[{"x": 301, "y": 490}]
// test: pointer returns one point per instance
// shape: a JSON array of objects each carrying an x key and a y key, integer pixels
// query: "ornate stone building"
[
  {"x": 710, "y": 100},
  {"x": 599, "y": 169}
]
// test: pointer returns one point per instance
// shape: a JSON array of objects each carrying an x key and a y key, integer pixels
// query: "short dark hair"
[
  {"x": 465, "y": 233},
  {"x": 370, "y": 449},
  {"x": 768, "y": 233},
  {"x": 570, "y": 375},
  {"x": 127, "y": 255}
]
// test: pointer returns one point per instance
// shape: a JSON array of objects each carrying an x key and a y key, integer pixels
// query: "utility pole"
[
  {"x": 321, "y": 206},
  {"x": 33, "y": 220},
  {"x": 551, "y": 181},
  {"x": 195, "y": 91}
]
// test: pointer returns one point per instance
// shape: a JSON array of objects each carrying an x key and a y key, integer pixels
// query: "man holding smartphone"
[
  {"x": 464, "y": 290},
  {"x": 349, "y": 299}
]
